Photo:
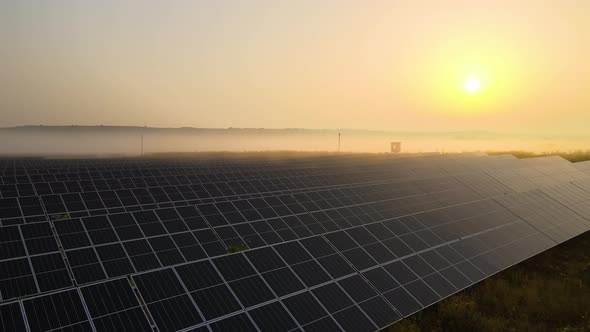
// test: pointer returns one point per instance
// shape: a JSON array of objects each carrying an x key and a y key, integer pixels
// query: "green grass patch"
[
  {"x": 61, "y": 216},
  {"x": 236, "y": 248}
]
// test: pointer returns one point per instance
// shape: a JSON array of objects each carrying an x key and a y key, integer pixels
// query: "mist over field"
[{"x": 107, "y": 140}]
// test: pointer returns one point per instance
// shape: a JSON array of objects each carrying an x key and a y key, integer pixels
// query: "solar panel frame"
[{"x": 437, "y": 224}]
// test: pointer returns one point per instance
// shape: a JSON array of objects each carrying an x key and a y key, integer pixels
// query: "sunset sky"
[{"x": 507, "y": 66}]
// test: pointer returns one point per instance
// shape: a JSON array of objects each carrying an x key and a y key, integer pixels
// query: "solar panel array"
[{"x": 329, "y": 243}]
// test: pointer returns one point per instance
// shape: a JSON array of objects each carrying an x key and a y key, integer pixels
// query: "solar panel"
[{"x": 347, "y": 242}]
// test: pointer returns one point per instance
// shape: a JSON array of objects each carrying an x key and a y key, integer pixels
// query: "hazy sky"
[{"x": 388, "y": 65}]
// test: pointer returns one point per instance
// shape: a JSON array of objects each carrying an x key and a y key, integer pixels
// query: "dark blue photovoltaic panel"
[
  {"x": 113, "y": 306},
  {"x": 305, "y": 308},
  {"x": 314, "y": 243},
  {"x": 16, "y": 278},
  {"x": 11, "y": 318},
  {"x": 51, "y": 272},
  {"x": 56, "y": 311}
]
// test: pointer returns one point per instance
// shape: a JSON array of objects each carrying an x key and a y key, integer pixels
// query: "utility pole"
[
  {"x": 142, "y": 145},
  {"x": 142, "y": 132},
  {"x": 338, "y": 142}
]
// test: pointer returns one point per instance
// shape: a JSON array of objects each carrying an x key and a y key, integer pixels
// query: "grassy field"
[{"x": 549, "y": 292}]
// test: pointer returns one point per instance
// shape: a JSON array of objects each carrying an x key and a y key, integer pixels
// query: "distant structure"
[
  {"x": 338, "y": 142},
  {"x": 396, "y": 147}
]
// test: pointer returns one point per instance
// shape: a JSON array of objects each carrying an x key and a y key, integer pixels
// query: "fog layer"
[{"x": 128, "y": 141}]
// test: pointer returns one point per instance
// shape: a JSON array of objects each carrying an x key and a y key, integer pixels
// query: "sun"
[{"x": 472, "y": 84}]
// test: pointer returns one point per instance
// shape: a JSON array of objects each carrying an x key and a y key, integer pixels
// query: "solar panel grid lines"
[
  {"x": 113, "y": 306},
  {"x": 582, "y": 208},
  {"x": 358, "y": 287},
  {"x": 412, "y": 304},
  {"x": 262, "y": 265},
  {"x": 554, "y": 210},
  {"x": 66, "y": 263},
  {"x": 178, "y": 171},
  {"x": 35, "y": 258},
  {"x": 406, "y": 251},
  {"x": 239, "y": 255},
  {"x": 311, "y": 162},
  {"x": 583, "y": 166},
  {"x": 29, "y": 261}
]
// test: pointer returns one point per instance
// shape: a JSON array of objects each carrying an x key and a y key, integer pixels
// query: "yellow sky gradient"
[{"x": 384, "y": 65}]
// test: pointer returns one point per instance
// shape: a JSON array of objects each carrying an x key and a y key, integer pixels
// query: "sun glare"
[{"x": 472, "y": 84}]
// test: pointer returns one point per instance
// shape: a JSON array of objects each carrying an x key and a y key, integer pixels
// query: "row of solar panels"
[
  {"x": 176, "y": 176},
  {"x": 146, "y": 168},
  {"x": 224, "y": 214},
  {"x": 165, "y": 169},
  {"x": 188, "y": 165},
  {"x": 360, "y": 265},
  {"x": 11, "y": 209},
  {"x": 200, "y": 158},
  {"x": 172, "y": 187},
  {"x": 168, "y": 239},
  {"x": 162, "y": 196},
  {"x": 252, "y": 222},
  {"x": 270, "y": 184}
]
